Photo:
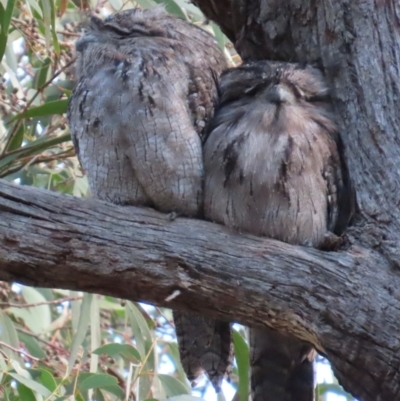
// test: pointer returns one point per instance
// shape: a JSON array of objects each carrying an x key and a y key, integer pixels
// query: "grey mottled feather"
[
  {"x": 146, "y": 89},
  {"x": 274, "y": 168}
]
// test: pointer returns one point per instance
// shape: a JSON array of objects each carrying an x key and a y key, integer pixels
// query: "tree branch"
[{"x": 349, "y": 313}]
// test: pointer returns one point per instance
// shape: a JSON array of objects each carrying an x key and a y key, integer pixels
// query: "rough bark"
[
  {"x": 357, "y": 44},
  {"x": 338, "y": 301}
]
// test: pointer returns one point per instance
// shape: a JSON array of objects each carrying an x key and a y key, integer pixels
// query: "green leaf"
[
  {"x": 98, "y": 395},
  {"x": 3, "y": 367},
  {"x": 56, "y": 45},
  {"x": 106, "y": 303},
  {"x": 146, "y": 3},
  {"x": 115, "y": 390},
  {"x": 173, "y": 8},
  {"x": 219, "y": 36},
  {"x": 30, "y": 315},
  {"x": 190, "y": 8},
  {"x": 47, "y": 109},
  {"x": 8, "y": 335},
  {"x": 25, "y": 393},
  {"x": 47, "y": 293},
  {"x": 41, "y": 74},
  {"x": 3, "y": 43},
  {"x": 75, "y": 309},
  {"x": 173, "y": 386},
  {"x": 78, "y": 397},
  {"x": 32, "y": 296},
  {"x": 31, "y": 345},
  {"x": 47, "y": 379},
  {"x": 100, "y": 380},
  {"x": 35, "y": 9},
  {"x": 157, "y": 389},
  {"x": 242, "y": 360},
  {"x": 127, "y": 351},
  {"x": 141, "y": 331},
  {"x": 84, "y": 320},
  {"x": 144, "y": 343},
  {"x": 37, "y": 146},
  {"x": 39, "y": 388},
  {"x": 116, "y": 4},
  {"x": 5, "y": 19},
  {"x": 95, "y": 332},
  {"x": 46, "y": 8},
  {"x": 174, "y": 354}
]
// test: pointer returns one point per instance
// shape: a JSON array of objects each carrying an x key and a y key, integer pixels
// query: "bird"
[
  {"x": 274, "y": 167},
  {"x": 146, "y": 88}
]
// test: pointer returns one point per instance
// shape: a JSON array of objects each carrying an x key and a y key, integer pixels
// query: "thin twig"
[
  {"x": 165, "y": 317},
  {"x": 48, "y": 343},
  {"x": 19, "y": 351},
  {"x": 54, "y": 302},
  {"x": 120, "y": 379}
]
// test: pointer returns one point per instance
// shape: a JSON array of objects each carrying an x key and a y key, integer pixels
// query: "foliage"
[{"x": 56, "y": 344}]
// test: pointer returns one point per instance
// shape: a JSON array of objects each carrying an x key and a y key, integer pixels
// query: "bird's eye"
[
  {"x": 251, "y": 90},
  {"x": 319, "y": 97}
]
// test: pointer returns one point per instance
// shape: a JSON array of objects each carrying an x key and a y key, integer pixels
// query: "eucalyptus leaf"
[
  {"x": 98, "y": 381},
  {"x": 47, "y": 109},
  {"x": 25, "y": 393},
  {"x": 47, "y": 379},
  {"x": 173, "y": 386},
  {"x": 5, "y": 19},
  {"x": 144, "y": 342},
  {"x": 30, "y": 383},
  {"x": 84, "y": 320},
  {"x": 242, "y": 359},
  {"x": 125, "y": 350},
  {"x": 31, "y": 345},
  {"x": 30, "y": 314},
  {"x": 173, "y": 8},
  {"x": 8, "y": 335}
]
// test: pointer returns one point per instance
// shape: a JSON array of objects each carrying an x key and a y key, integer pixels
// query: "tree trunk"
[{"x": 339, "y": 301}]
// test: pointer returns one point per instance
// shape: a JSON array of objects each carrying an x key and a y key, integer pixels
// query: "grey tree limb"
[{"x": 339, "y": 301}]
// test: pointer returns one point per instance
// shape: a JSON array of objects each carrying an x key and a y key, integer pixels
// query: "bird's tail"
[
  {"x": 281, "y": 367},
  {"x": 204, "y": 346}
]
